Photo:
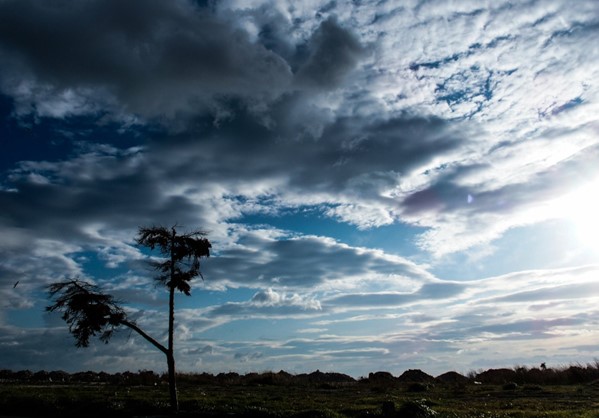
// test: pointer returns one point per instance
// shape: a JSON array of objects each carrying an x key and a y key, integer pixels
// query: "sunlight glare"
[{"x": 581, "y": 207}]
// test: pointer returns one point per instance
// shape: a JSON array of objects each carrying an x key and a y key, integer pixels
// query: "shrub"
[
  {"x": 510, "y": 386},
  {"x": 416, "y": 409},
  {"x": 418, "y": 387}
]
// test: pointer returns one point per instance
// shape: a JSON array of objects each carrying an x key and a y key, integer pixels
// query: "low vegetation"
[{"x": 520, "y": 392}]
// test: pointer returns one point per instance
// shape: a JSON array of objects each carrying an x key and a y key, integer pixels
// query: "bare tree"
[{"x": 89, "y": 311}]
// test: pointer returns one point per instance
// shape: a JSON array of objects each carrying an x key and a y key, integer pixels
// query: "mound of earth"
[
  {"x": 329, "y": 377},
  {"x": 453, "y": 378},
  {"x": 380, "y": 377},
  {"x": 415, "y": 376}
]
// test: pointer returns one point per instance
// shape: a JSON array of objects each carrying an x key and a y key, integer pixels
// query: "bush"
[
  {"x": 416, "y": 409},
  {"x": 418, "y": 387},
  {"x": 510, "y": 386}
]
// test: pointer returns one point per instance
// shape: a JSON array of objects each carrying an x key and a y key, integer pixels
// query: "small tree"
[{"x": 89, "y": 311}]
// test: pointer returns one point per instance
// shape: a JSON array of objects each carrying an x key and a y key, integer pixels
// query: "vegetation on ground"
[{"x": 413, "y": 394}]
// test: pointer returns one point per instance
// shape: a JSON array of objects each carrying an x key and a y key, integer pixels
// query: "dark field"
[{"x": 414, "y": 394}]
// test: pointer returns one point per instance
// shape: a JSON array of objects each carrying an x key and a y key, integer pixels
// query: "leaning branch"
[{"x": 146, "y": 336}]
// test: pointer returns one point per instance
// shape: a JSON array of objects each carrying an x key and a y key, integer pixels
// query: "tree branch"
[{"x": 146, "y": 336}]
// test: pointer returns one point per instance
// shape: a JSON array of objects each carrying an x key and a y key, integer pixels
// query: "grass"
[{"x": 328, "y": 400}]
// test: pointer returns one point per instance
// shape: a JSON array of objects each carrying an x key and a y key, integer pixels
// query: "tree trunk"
[
  {"x": 172, "y": 383},
  {"x": 146, "y": 336},
  {"x": 170, "y": 356}
]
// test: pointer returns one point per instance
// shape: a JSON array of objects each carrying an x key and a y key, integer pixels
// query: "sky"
[{"x": 387, "y": 185}]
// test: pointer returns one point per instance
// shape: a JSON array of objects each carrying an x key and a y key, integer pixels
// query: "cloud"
[
  {"x": 333, "y": 53},
  {"x": 311, "y": 330},
  {"x": 467, "y": 330},
  {"x": 367, "y": 161},
  {"x": 371, "y": 299},
  {"x": 54, "y": 349},
  {"x": 147, "y": 58},
  {"x": 245, "y": 357},
  {"x": 269, "y": 297},
  {"x": 26, "y": 270},
  {"x": 360, "y": 169},
  {"x": 428, "y": 291},
  {"x": 366, "y": 171},
  {"x": 268, "y": 304},
  {"x": 164, "y": 62},
  {"x": 307, "y": 263}
]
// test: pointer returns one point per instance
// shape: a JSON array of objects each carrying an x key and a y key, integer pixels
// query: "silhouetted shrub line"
[{"x": 413, "y": 380}]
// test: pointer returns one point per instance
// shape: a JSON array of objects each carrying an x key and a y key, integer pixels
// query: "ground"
[{"x": 264, "y": 398}]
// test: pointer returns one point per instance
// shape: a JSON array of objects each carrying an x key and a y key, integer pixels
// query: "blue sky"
[{"x": 386, "y": 185}]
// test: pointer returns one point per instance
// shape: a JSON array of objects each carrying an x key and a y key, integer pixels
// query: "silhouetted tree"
[{"x": 89, "y": 311}]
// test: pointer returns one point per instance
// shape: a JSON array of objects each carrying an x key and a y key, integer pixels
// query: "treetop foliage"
[
  {"x": 86, "y": 310},
  {"x": 89, "y": 311},
  {"x": 180, "y": 250}
]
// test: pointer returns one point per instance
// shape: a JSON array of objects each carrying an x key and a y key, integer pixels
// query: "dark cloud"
[
  {"x": 334, "y": 52},
  {"x": 362, "y": 153},
  {"x": 303, "y": 262},
  {"x": 156, "y": 59},
  {"x": 164, "y": 61},
  {"x": 114, "y": 187},
  {"x": 354, "y": 159},
  {"x": 436, "y": 198}
]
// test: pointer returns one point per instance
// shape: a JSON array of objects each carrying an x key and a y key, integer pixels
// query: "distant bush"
[
  {"x": 414, "y": 380},
  {"x": 566, "y": 375},
  {"x": 496, "y": 376}
]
